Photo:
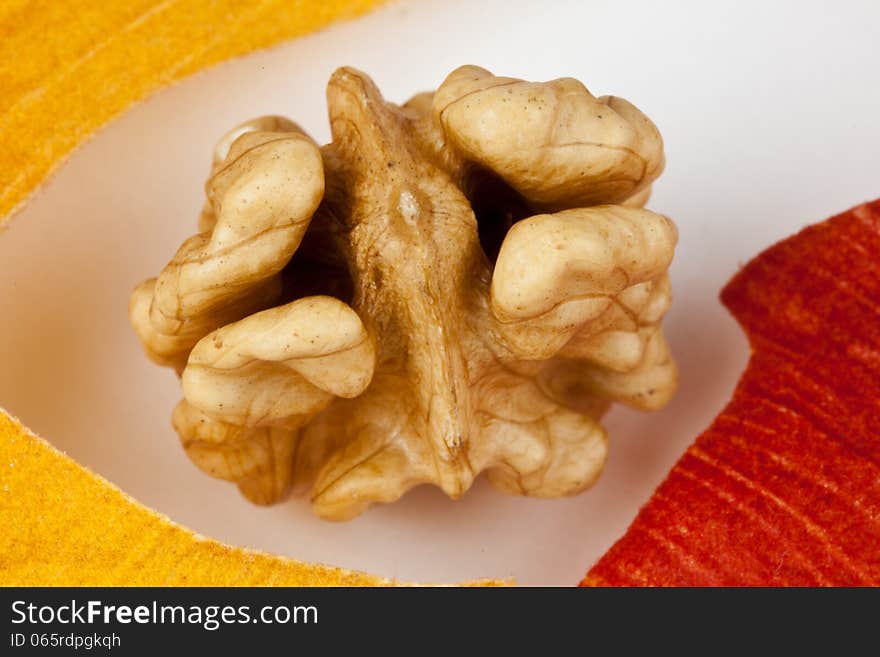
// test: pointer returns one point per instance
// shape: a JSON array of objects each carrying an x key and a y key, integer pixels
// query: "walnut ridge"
[{"x": 458, "y": 285}]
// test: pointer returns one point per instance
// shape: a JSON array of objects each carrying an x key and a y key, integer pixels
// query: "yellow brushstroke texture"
[
  {"x": 64, "y": 525},
  {"x": 60, "y": 524},
  {"x": 66, "y": 68}
]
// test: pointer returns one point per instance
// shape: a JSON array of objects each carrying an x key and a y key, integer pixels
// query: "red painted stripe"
[{"x": 783, "y": 488}]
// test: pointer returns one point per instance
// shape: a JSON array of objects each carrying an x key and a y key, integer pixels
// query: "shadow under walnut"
[{"x": 458, "y": 285}]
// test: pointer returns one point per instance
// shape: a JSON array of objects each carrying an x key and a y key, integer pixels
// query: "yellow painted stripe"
[
  {"x": 63, "y": 525},
  {"x": 66, "y": 68}
]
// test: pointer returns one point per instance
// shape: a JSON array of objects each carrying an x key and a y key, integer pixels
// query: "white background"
[{"x": 771, "y": 116}]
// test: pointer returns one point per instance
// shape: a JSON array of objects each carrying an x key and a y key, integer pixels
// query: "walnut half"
[{"x": 458, "y": 285}]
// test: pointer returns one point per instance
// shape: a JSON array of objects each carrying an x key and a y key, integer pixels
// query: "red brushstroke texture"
[{"x": 783, "y": 489}]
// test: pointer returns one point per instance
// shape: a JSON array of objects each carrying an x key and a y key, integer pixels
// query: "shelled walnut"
[{"x": 460, "y": 284}]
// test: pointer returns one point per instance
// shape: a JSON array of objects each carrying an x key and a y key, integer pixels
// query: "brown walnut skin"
[{"x": 459, "y": 285}]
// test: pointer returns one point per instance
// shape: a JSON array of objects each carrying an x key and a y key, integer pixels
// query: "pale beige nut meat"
[
  {"x": 251, "y": 385},
  {"x": 462, "y": 284},
  {"x": 553, "y": 142},
  {"x": 261, "y": 194}
]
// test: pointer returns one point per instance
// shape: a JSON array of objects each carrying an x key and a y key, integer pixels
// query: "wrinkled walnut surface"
[{"x": 458, "y": 285}]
